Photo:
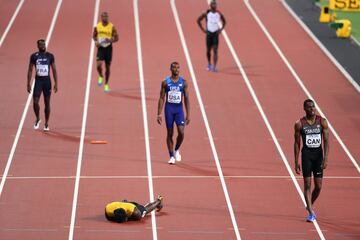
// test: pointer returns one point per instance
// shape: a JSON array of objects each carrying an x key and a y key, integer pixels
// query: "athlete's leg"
[
  {"x": 152, "y": 206},
  {"x": 36, "y": 107},
  {"x": 307, "y": 194},
  {"x": 47, "y": 109},
  {"x": 215, "y": 49},
  {"x": 317, "y": 189},
  {"x": 180, "y": 137},
  {"x": 208, "y": 49},
  {"x": 99, "y": 68},
  {"x": 180, "y": 121},
  {"x": 169, "y": 141},
  {"x": 107, "y": 72}
]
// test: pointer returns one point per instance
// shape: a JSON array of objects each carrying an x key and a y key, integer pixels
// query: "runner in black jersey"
[
  {"x": 314, "y": 132},
  {"x": 42, "y": 61}
]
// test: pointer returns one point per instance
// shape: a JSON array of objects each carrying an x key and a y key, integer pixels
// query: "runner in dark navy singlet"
[
  {"x": 314, "y": 132},
  {"x": 43, "y": 61},
  {"x": 174, "y": 88}
]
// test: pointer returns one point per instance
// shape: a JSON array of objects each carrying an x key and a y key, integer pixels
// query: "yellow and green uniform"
[
  {"x": 127, "y": 206},
  {"x": 104, "y": 32}
]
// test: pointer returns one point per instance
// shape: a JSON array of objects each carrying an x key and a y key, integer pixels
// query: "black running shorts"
[
  {"x": 212, "y": 39},
  {"x": 42, "y": 86},
  {"x": 311, "y": 160},
  {"x": 104, "y": 54}
]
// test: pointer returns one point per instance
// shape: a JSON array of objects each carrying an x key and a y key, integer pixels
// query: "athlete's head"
[
  {"x": 175, "y": 68},
  {"x": 309, "y": 107},
  {"x": 41, "y": 45},
  {"x": 120, "y": 215},
  {"x": 213, "y": 5},
  {"x": 104, "y": 17}
]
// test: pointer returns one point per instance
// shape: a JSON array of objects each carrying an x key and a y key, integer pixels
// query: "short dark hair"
[
  {"x": 308, "y": 101},
  {"x": 120, "y": 215},
  {"x": 173, "y": 63},
  {"x": 40, "y": 40}
]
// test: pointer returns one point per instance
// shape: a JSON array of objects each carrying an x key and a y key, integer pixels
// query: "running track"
[{"x": 44, "y": 198}]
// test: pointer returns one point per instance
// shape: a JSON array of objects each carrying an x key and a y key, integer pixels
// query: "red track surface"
[{"x": 195, "y": 206}]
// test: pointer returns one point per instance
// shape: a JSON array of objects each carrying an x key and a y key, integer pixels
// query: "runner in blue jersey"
[
  {"x": 42, "y": 61},
  {"x": 173, "y": 90}
]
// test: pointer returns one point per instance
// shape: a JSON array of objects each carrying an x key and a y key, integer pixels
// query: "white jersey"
[{"x": 213, "y": 20}]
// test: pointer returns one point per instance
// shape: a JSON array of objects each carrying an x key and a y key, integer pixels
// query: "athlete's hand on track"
[
  {"x": 187, "y": 121},
  {"x": 28, "y": 88},
  {"x": 159, "y": 119},
  {"x": 297, "y": 168},
  {"x": 55, "y": 88}
]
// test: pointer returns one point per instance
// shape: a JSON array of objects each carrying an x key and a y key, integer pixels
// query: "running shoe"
[
  {"x": 106, "y": 88},
  {"x": 46, "y": 128},
  {"x": 177, "y": 156},
  {"x": 311, "y": 217},
  {"x": 172, "y": 160},
  {"x": 209, "y": 67},
  {"x": 160, "y": 206},
  {"x": 37, "y": 124},
  {"x": 100, "y": 81}
]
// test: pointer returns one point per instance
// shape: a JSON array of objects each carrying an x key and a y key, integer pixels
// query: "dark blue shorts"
[
  {"x": 174, "y": 114},
  {"x": 42, "y": 86}
]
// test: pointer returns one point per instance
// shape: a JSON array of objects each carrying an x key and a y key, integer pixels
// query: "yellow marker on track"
[{"x": 98, "y": 142}]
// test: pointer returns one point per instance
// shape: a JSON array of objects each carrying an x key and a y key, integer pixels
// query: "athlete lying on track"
[{"x": 125, "y": 211}]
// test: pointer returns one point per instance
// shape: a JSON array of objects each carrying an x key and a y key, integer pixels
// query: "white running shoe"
[
  {"x": 177, "y": 156},
  {"x": 46, "y": 128},
  {"x": 172, "y": 160},
  {"x": 37, "y": 124}
]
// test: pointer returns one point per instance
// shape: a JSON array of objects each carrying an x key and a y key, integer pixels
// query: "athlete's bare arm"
[
  {"x": 325, "y": 127},
  {"x": 187, "y": 102},
  {"x": 297, "y": 144},
  {"x": 115, "y": 35},
  {"x": 223, "y": 21},
  {"x": 29, "y": 75},
  {"x": 53, "y": 67},
  {"x": 161, "y": 101},
  {"x": 95, "y": 37},
  {"x": 199, "y": 20}
]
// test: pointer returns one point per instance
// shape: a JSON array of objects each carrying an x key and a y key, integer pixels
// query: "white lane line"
[
  {"x": 267, "y": 123},
  {"x": 174, "y": 177},
  {"x": 144, "y": 110},
  {"x": 83, "y": 126},
  {"x": 205, "y": 119},
  {"x": 2, "y": 39},
  {"x": 300, "y": 82},
  {"x": 26, "y": 108},
  {"x": 321, "y": 46}
]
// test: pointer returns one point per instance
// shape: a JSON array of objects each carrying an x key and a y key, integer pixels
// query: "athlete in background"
[
  {"x": 314, "y": 132},
  {"x": 42, "y": 61},
  {"x": 104, "y": 35},
  {"x": 174, "y": 89},
  {"x": 213, "y": 19}
]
